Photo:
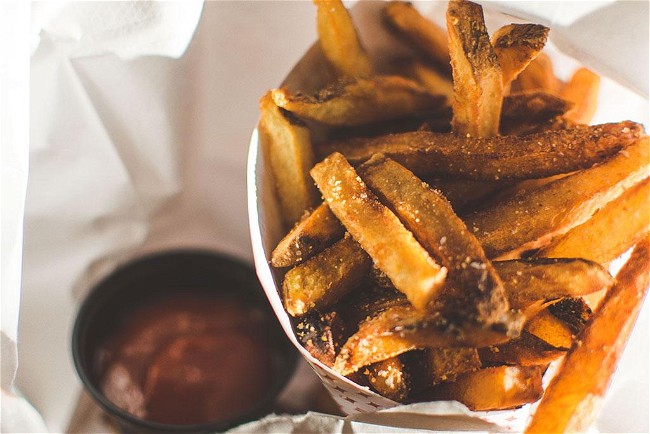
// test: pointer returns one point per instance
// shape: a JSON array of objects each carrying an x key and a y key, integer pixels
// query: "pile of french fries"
[{"x": 449, "y": 222}]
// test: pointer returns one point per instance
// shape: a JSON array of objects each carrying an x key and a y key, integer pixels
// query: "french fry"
[
  {"x": 288, "y": 145},
  {"x": 478, "y": 86},
  {"x": 421, "y": 33},
  {"x": 403, "y": 328},
  {"x": 322, "y": 335},
  {"x": 516, "y": 45},
  {"x": 390, "y": 378},
  {"x": 573, "y": 312},
  {"x": 496, "y": 388},
  {"x": 539, "y": 75},
  {"x": 522, "y": 113},
  {"x": 532, "y": 219},
  {"x": 526, "y": 350},
  {"x": 320, "y": 281},
  {"x": 529, "y": 281},
  {"x": 444, "y": 235},
  {"x": 573, "y": 397},
  {"x": 582, "y": 90},
  {"x": 463, "y": 193},
  {"x": 595, "y": 239},
  {"x": 392, "y": 247},
  {"x": 353, "y": 102},
  {"x": 310, "y": 236},
  {"x": 339, "y": 39},
  {"x": 448, "y": 363},
  {"x": 551, "y": 330},
  {"x": 496, "y": 158}
]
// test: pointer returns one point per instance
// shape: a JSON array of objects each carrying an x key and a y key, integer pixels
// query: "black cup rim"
[{"x": 101, "y": 292}]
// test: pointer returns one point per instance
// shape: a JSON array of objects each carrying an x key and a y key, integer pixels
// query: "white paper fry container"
[{"x": 266, "y": 226}]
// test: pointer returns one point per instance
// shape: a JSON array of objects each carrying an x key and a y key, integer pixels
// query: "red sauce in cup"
[{"x": 188, "y": 358}]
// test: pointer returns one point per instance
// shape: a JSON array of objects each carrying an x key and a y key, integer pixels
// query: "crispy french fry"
[
  {"x": 532, "y": 219},
  {"x": 539, "y": 75},
  {"x": 516, "y": 45},
  {"x": 524, "y": 112},
  {"x": 316, "y": 231},
  {"x": 421, "y": 33},
  {"x": 402, "y": 328},
  {"x": 550, "y": 329},
  {"x": 489, "y": 159},
  {"x": 478, "y": 86},
  {"x": 392, "y": 247},
  {"x": 529, "y": 281},
  {"x": 431, "y": 79},
  {"x": 320, "y": 281},
  {"x": 322, "y": 335},
  {"x": 526, "y": 350},
  {"x": 448, "y": 363},
  {"x": 288, "y": 145},
  {"x": 463, "y": 193},
  {"x": 574, "y": 312},
  {"x": 582, "y": 90},
  {"x": 339, "y": 39},
  {"x": 572, "y": 398},
  {"x": 443, "y": 234},
  {"x": 496, "y": 388},
  {"x": 595, "y": 239},
  {"x": 390, "y": 378},
  {"x": 353, "y": 102}
]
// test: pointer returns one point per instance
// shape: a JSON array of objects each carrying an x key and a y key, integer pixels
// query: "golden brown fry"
[
  {"x": 532, "y": 219},
  {"x": 478, "y": 87},
  {"x": 572, "y": 398},
  {"x": 529, "y": 281},
  {"x": 506, "y": 157},
  {"x": 481, "y": 296},
  {"x": 392, "y": 247},
  {"x": 322, "y": 280},
  {"x": 574, "y": 312},
  {"x": 429, "y": 77},
  {"x": 497, "y": 388},
  {"x": 353, "y": 102},
  {"x": 525, "y": 112},
  {"x": 463, "y": 193},
  {"x": 322, "y": 335},
  {"x": 516, "y": 45},
  {"x": 419, "y": 32},
  {"x": 596, "y": 239},
  {"x": 551, "y": 330},
  {"x": 539, "y": 75},
  {"x": 402, "y": 328},
  {"x": 308, "y": 237},
  {"x": 339, "y": 39},
  {"x": 287, "y": 143},
  {"x": 582, "y": 90},
  {"x": 448, "y": 363},
  {"x": 390, "y": 378},
  {"x": 526, "y": 350}
]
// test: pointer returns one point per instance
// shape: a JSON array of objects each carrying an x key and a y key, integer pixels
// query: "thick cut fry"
[
  {"x": 339, "y": 39},
  {"x": 551, "y": 330},
  {"x": 392, "y": 247},
  {"x": 524, "y": 112},
  {"x": 322, "y": 335},
  {"x": 353, "y": 102},
  {"x": 574, "y": 312},
  {"x": 526, "y": 350},
  {"x": 309, "y": 237},
  {"x": 488, "y": 159},
  {"x": 463, "y": 193},
  {"x": 390, "y": 378},
  {"x": 497, "y": 388},
  {"x": 288, "y": 145},
  {"x": 573, "y": 397},
  {"x": 596, "y": 240},
  {"x": 539, "y": 75},
  {"x": 516, "y": 45},
  {"x": 443, "y": 234},
  {"x": 529, "y": 281},
  {"x": 421, "y": 33},
  {"x": 322, "y": 280},
  {"x": 532, "y": 219},
  {"x": 399, "y": 329},
  {"x": 582, "y": 91},
  {"x": 430, "y": 78},
  {"x": 448, "y": 363},
  {"x": 478, "y": 86}
]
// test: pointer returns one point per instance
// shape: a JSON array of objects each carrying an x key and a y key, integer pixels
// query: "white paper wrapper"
[{"x": 266, "y": 228}]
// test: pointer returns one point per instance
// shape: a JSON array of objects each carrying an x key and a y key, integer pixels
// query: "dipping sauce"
[{"x": 187, "y": 358}]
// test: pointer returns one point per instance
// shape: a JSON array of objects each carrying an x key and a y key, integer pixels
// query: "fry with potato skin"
[
  {"x": 496, "y": 158},
  {"x": 421, "y": 33},
  {"x": 526, "y": 350},
  {"x": 532, "y": 219},
  {"x": 443, "y": 234},
  {"x": 524, "y": 112},
  {"x": 595, "y": 240},
  {"x": 392, "y": 247},
  {"x": 288, "y": 145},
  {"x": 430, "y": 78},
  {"x": 582, "y": 90},
  {"x": 478, "y": 86},
  {"x": 516, "y": 45},
  {"x": 322, "y": 280},
  {"x": 339, "y": 39},
  {"x": 572, "y": 398},
  {"x": 539, "y": 75},
  {"x": 353, "y": 102},
  {"x": 310, "y": 236}
]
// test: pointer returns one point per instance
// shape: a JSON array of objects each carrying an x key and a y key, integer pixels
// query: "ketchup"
[{"x": 188, "y": 358}]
